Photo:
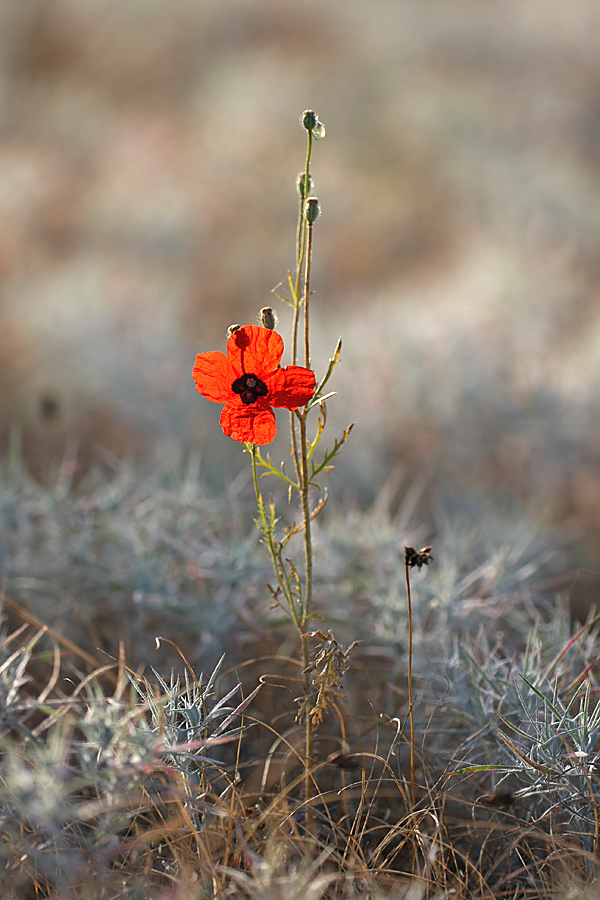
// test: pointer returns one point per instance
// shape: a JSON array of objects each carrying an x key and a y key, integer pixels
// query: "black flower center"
[{"x": 250, "y": 388}]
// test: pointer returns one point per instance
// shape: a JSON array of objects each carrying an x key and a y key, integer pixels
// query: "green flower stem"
[
  {"x": 304, "y": 475},
  {"x": 252, "y": 452},
  {"x": 306, "y": 520},
  {"x": 308, "y": 552},
  {"x": 302, "y": 230},
  {"x": 298, "y": 615},
  {"x": 301, "y": 240},
  {"x": 295, "y": 331},
  {"x": 309, "y": 241},
  {"x": 294, "y": 442},
  {"x": 303, "y": 256},
  {"x": 300, "y": 250}
]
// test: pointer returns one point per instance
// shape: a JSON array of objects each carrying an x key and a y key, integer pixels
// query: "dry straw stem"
[{"x": 412, "y": 558}]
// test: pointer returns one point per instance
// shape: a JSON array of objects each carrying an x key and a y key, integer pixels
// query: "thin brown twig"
[{"x": 410, "y": 686}]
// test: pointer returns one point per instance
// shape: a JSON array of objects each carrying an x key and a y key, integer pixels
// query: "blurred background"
[{"x": 148, "y": 160}]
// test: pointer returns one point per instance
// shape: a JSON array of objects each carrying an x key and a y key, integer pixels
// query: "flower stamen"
[{"x": 250, "y": 388}]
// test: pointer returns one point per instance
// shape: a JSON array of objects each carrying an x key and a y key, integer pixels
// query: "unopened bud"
[
  {"x": 300, "y": 181},
  {"x": 268, "y": 318},
  {"x": 231, "y": 329},
  {"x": 312, "y": 210}
]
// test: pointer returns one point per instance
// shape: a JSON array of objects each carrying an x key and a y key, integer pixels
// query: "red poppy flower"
[{"x": 249, "y": 381}]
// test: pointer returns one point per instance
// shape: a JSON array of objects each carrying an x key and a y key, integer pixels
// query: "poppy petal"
[
  {"x": 292, "y": 386},
  {"x": 254, "y": 424},
  {"x": 254, "y": 349},
  {"x": 213, "y": 376}
]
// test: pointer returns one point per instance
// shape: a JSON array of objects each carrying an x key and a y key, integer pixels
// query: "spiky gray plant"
[
  {"x": 13, "y": 677},
  {"x": 539, "y": 722},
  {"x": 188, "y": 721}
]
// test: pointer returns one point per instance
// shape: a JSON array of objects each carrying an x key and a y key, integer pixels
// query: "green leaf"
[{"x": 332, "y": 364}]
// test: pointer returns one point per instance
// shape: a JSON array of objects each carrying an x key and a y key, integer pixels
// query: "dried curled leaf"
[{"x": 327, "y": 670}]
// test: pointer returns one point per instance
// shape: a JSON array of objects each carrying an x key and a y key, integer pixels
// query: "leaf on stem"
[
  {"x": 332, "y": 364},
  {"x": 272, "y": 470},
  {"x": 325, "y": 465}
]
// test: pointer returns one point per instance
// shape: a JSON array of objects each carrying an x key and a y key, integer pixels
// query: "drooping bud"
[
  {"x": 231, "y": 329},
  {"x": 268, "y": 318},
  {"x": 300, "y": 184},
  {"x": 312, "y": 210}
]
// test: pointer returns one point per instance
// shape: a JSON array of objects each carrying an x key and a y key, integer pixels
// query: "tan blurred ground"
[{"x": 148, "y": 154}]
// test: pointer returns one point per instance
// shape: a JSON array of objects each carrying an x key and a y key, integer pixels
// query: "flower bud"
[
  {"x": 268, "y": 318},
  {"x": 312, "y": 210},
  {"x": 300, "y": 184},
  {"x": 231, "y": 329}
]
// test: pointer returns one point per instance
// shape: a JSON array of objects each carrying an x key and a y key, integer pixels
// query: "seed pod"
[
  {"x": 312, "y": 210},
  {"x": 309, "y": 119},
  {"x": 268, "y": 318},
  {"x": 300, "y": 184}
]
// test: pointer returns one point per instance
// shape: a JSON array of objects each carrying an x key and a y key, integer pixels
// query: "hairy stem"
[
  {"x": 309, "y": 241},
  {"x": 267, "y": 531},
  {"x": 308, "y": 553},
  {"x": 304, "y": 254},
  {"x": 300, "y": 254},
  {"x": 300, "y": 250},
  {"x": 306, "y": 523},
  {"x": 308, "y": 738}
]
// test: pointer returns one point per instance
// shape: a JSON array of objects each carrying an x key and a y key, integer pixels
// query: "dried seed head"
[
  {"x": 231, "y": 329},
  {"x": 312, "y": 210},
  {"x": 417, "y": 558},
  {"x": 300, "y": 184},
  {"x": 310, "y": 121},
  {"x": 268, "y": 318}
]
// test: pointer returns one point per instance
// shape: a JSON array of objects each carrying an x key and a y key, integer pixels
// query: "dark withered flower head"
[{"x": 418, "y": 558}]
